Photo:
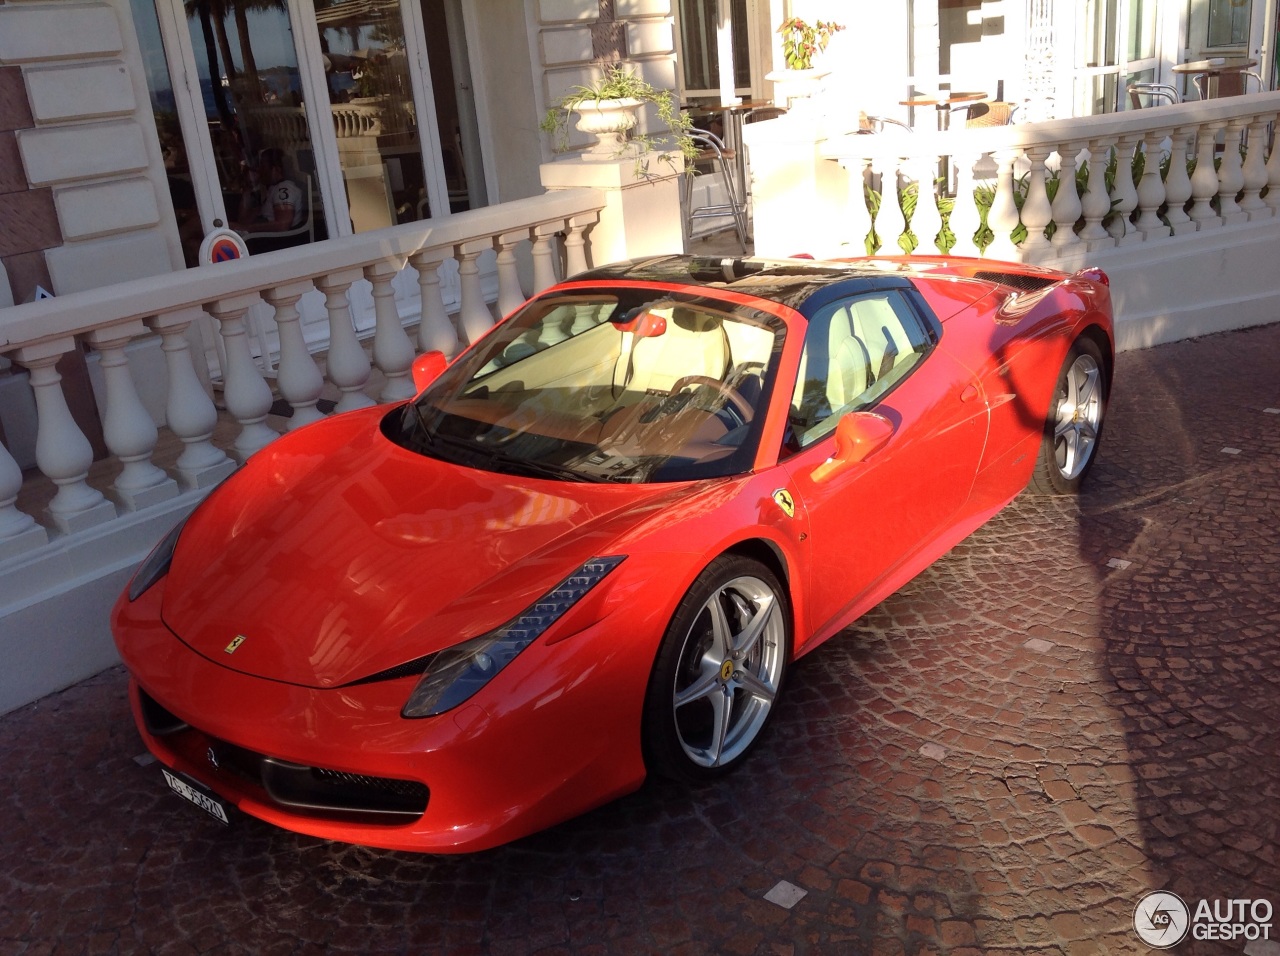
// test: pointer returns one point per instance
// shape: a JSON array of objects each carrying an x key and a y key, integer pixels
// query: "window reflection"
[{"x": 253, "y": 99}]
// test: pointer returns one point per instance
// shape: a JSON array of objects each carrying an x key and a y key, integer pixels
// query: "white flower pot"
[{"x": 608, "y": 121}]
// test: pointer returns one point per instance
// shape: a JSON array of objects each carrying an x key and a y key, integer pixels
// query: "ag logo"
[
  {"x": 782, "y": 498},
  {"x": 1161, "y": 919},
  {"x": 235, "y": 643}
]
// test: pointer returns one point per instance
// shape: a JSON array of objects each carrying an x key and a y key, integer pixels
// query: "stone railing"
[
  {"x": 1040, "y": 191},
  {"x": 116, "y": 318}
]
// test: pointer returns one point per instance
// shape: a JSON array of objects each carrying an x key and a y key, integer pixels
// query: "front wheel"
[
  {"x": 719, "y": 671},
  {"x": 1073, "y": 426}
]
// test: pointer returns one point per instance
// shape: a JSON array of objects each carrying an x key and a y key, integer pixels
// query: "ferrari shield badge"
[
  {"x": 235, "y": 643},
  {"x": 782, "y": 498}
]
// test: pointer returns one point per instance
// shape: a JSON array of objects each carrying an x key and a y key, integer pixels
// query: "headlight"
[
  {"x": 157, "y": 564},
  {"x": 458, "y": 672}
]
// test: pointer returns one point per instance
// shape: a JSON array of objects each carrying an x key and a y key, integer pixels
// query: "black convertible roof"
[{"x": 790, "y": 281}]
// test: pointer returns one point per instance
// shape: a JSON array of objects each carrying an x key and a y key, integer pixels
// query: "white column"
[
  {"x": 1067, "y": 207},
  {"x": 1204, "y": 181},
  {"x": 1177, "y": 183},
  {"x": 1273, "y": 169},
  {"x": 575, "y": 243},
  {"x": 1151, "y": 188},
  {"x": 965, "y": 219},
  {"x": 890, "y": 223},
  {"x": 348, "y": 366},
  {"x": 926, "y": 220},
  {"x": 189, "y": 412},
  {"x": 1255, "y": 171},
  {"x": 392, "y": 350},
  {"x": 297, "y": 377},
  {"x": 510, "y": 295},
  {"x": 544, "y": 269},
  {"x": 1124, "y": 195},
  {"x": 1096, "y": 204},
  {"x": 1002, "y": 217},
  {"x": 63, "y": 454},
  {"x": 19, "y": 532},
  {"x": 247, "y": 395},
  {"x": 1231, "y": 176},
  {"x": 435, "y": 332},
  {"x": 474, "y": 317},
  {"x": 127, "y": 428}
]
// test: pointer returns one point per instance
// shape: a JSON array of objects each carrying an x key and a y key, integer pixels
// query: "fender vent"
[{"x": 1023, "y": 283}]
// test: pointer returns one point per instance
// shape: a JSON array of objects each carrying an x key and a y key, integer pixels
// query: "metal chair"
[
  {"x": 1157, "y": 92},
  {"x": 876, "y": 124},
  {"x": 713, "y": 153},
  {"x": 1231, "y": 83}
]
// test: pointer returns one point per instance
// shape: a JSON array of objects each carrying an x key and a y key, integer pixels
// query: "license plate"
[{"x": 196, "y": 793}]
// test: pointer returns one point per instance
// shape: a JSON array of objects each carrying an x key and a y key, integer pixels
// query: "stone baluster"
[
  {"x": 246, "y": 393},
  {"x": 1231, "y": 176},
  {"x": 510, "y": 295},
  {"x": 1124, "y": 195},
  {"x": 63, "y": 454},
  {"x": 19, "y": 532},
  {"x": 127, "y": 427},
  {"x": 575, "y": 243},
  {"x": 544, "y": 268},
  {"x": 1067, "y": 207},
  {"x": 890, "y": 222},
  {"x": 859, "y": 215},
  {"x": 1272, "y": 198},
  {"x": 474, "y": 317},
  {"x": 1177, "y": 183},
  {"x": 1151, "y": 188},
  {"x": 392, "y": 351},
  {"x": 1002, "y": 217},
  {"x": 1095, "y": 205},
  {"x": 435, "y": 332},
  {"x": 926, "y": 220},
  {"x": 348, "y": 365},
  {"x": 189, "y": 412},
  {"x": 965, "y": 218},
  {"x": 1037, "y": 213},
  {"x": 1255, "y": 171},
  {"x": 298, "y": 378},
  {"x": 1204, "y": 181}
]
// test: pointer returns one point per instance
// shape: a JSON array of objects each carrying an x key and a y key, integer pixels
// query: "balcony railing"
[
  {"x": 108, "y": 320},
  {"x": 1042, "y": 192}
]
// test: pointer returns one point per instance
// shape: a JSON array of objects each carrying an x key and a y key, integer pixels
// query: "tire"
[
  {"x": 1073, "y": 426},
  {"x": 719, "y": 672}
]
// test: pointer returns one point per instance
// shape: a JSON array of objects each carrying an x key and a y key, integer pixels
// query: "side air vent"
[{"x": 1024, "y": 283}]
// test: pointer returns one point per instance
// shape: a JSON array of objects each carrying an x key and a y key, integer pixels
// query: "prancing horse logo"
[
  {"x": 782, "y": 498},
  {"x": 235, "y": 643}
]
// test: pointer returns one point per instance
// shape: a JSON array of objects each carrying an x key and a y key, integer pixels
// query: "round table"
[
  {"x": 1215, "y": 69},
  {"x": 942, "y": 102}
]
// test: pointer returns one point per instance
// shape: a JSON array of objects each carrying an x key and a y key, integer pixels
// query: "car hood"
[{"x": 335, "y": 554}]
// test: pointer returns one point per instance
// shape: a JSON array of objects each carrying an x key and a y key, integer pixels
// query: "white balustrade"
[
  {"x": 18, "y": 531},
  {"x": 392, "y": 351},
  {"x": 298, "y": 376},
  {"x": 435, "y": 332},
  {"x": 1067, "y": 207},
  {"x": 890, "y": 221},
  {"x": 1151, "y": 189},
  {"x": 1255, "y": 172},
  {"x": 1095, "y": 204},
  {"x": 246, "y": 393},
  {"x": 1231, "y": 176},
  {"x": 1273, "y": 167},
  {"x": 1002, "y": 217},
  {"x": 510, "y": 296},
  {"x": 926, "y": 219},
  {"x": 1124, "y": 194},
  {"x": 348, "y": 365},
  {"x": 544, "y": 269},
  {"x": 1204, "y": 181},
  {"x": 1037, "y": 213},
  {"x": 1177, "y": 183},
  {"x": 575, "y": 244},
  {"x": 127, "y": 428},
  {"x": 474, "y": 318}
]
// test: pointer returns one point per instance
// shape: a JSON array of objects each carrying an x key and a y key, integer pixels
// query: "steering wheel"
[{"x": 743, "y": 407}]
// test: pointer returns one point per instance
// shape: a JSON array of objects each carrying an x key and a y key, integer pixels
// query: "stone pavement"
[{"x": 1079, "y": 704}]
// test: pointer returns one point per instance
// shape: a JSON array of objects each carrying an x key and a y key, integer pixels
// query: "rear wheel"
[
  {"x": 1073, "y": 426},
  {"x": 719, "y": 671}
]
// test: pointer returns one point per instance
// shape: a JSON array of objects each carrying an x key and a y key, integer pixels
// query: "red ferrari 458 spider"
[{"x": 592, "y": 545}]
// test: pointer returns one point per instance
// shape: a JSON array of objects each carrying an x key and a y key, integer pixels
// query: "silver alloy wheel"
[
  {"x": 1078, "y": 417},
  {"x": 729, "y": 671}
]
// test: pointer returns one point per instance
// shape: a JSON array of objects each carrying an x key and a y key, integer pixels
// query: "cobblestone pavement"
[{"x": 1079, "y": 704}]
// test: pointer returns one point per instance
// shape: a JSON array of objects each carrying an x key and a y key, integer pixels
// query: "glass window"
[
  {"x": 1229, "y": 22},
  {"x": 855, "y": 351},
  {"x": 699, "y": 55},
  {"x": 1142, "y": 29},
  {"x": 626, "y": 386}
]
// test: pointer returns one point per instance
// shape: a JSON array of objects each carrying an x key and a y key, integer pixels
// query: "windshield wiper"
[{"x": 524, "y": 466}]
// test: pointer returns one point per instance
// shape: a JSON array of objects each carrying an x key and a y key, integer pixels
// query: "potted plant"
[
  {"x": 608, "y": 110},
  {"x": 800, "y": 43}
]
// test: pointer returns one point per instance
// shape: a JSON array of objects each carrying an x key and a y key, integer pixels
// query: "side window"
[{"x": 855, "y": 350}]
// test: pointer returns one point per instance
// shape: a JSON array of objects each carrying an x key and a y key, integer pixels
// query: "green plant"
[
  {"x": 619, "y": 83},
  {"x": 800, "y": 41}
]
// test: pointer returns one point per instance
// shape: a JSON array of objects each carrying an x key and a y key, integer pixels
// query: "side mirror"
[
  {"x": 858, "y": 436},
  {"x": 427, "y": 368}
]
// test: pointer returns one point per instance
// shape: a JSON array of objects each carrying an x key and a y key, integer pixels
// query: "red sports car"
[{"x": 592, "y": 545}]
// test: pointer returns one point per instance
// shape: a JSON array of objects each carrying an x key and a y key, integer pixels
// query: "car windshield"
[{"x": 630, "y": 385}]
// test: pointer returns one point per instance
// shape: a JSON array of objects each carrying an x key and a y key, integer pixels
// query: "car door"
[{"x": 875, "y": 353}]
